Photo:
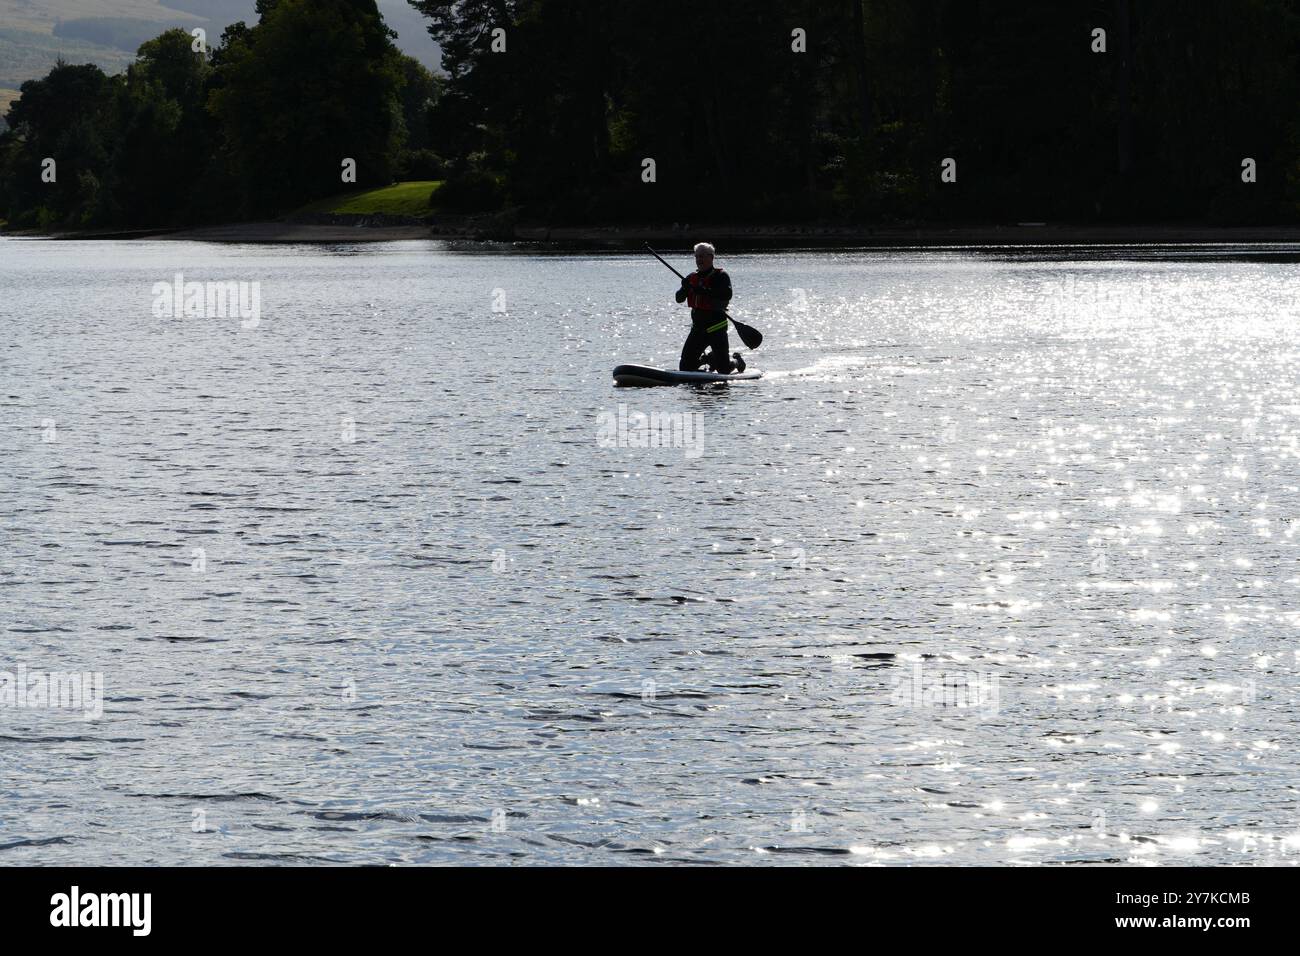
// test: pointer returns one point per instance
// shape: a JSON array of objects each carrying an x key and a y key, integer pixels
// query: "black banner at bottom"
[{"x": 336, "y": 905}]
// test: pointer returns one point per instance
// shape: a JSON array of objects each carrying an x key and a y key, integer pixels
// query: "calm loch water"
[{"x": 997, "y": 564}]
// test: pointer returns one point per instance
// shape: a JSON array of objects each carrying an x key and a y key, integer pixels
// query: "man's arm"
[
  {"x": 721, "y": 291},
  {"x": 680, "y": 295}
]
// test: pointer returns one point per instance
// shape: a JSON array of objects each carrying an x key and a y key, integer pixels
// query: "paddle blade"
[{"x": 748, "y": 334}]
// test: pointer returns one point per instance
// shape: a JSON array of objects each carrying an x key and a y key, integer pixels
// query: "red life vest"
[{"x": 698, "y": 293}]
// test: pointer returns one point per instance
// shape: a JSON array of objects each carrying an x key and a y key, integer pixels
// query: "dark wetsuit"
[{"x": 708, "y": 295}]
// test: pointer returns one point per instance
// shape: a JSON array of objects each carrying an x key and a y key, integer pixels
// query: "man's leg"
[
  {"x": 720, "y": 352},
  {"x": 692, "y": 351}
]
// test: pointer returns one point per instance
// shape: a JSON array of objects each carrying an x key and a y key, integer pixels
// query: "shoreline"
[
  {"x": 472, "y": 229},
  {"x": 299, "y": 232},
  {"x": 931, "y": 234}
]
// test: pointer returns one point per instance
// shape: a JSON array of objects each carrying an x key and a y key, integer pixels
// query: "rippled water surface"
[{"x": 998, "y": 563}]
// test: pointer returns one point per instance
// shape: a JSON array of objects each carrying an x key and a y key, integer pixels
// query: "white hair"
[{"x": 706, "y": 247}]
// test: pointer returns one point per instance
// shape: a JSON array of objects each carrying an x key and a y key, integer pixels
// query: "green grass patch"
[{"x": 401, "y": 199}]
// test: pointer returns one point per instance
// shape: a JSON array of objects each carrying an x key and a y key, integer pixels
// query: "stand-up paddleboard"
[{"x": 645, "y": 375}]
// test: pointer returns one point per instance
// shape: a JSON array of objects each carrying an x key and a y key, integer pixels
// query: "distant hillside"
[
  {"x": 36, "y": 33},
  {"x": 121, "y": 33},
  {"x": 219, "y": 11},
  {"x": 29, "y": 46},
  {"x": 25, "y": 55},
  {"x": 39, "y": 16}
]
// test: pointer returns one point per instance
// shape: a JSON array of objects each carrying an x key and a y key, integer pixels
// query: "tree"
[
  {"x": 65, "y": 117},
  {"x": 315, "y": 82},
  {"x": 162, "y": 162}
]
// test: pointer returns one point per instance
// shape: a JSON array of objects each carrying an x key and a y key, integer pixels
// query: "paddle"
[{"x": 748, "y": 334}]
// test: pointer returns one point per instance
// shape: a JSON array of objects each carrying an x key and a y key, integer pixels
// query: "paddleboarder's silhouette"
[{"x": 707, "y": 291}]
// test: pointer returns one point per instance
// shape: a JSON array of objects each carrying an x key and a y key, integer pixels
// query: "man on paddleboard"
[{"x": 707, "y": 291}]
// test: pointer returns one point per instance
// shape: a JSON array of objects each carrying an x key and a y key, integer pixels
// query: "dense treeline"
[
  {"x": 738, "y": 124},
  {"x": 254, "y": 126},
  {"x": 552, "y": 107}
]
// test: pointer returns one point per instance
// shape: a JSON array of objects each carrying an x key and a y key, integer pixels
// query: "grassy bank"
[{"x": 400, "y": 199}]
